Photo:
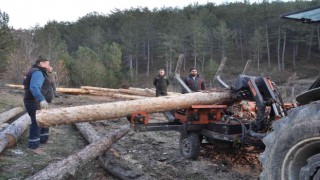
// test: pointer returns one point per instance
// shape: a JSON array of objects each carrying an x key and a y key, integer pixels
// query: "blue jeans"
[{"x": 37, "y": 135}]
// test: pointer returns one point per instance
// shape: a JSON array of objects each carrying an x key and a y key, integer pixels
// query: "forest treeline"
[{"x": 124, "y": 46}]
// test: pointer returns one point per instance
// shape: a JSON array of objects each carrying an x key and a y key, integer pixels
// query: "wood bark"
[
  {"x": 69, "y": 115},
  {"x": 115, "y": 165},
  {"x": 3, "y": 126},
  {"x": 10, "y": 135},
  {"x": 5, "y": 116},
  {"x": 61, "y": 169}
]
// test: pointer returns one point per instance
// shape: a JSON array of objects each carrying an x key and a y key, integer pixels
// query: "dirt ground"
[{"x": 153, "y": 153}]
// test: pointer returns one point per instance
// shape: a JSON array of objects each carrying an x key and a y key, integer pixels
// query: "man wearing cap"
[
  {"x": 38, "y": 93},
  {"x": 194, "y": 81}
]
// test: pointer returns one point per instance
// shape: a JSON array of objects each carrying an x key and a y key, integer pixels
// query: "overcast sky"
[{"x": 28, "y": 13}]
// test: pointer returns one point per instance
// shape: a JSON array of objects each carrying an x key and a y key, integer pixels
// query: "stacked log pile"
[{"x": 128, "y": 94}]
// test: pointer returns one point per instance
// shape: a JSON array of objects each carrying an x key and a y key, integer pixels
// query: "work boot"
[{"x": 37, "y": 150}]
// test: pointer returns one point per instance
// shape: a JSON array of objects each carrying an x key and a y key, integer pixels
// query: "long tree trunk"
[
  {"x": 137, "y": 60},
  {"x": 241, "y": 46},
  {"x": 294, "y": 55},
  {"x": 184, "y": 57},
  {"x": 5, "y": 116},
  {"x": 116, "y": 165},
  {"x": 318, "y": 34},
  {"x": 148, "y": 51},
  {"x": 310, "y": 43},
  {"x": 268, "y": 48},
  {"x": 10, "y": 135},
  {"x": 284, "y": 47},
  {"x": 60, "y": 169},
  {"x": 279, "y": 41},
  {"x": 258, "y": 55},
  {"x": 69, "y": 115},
  {"x": 131, "y": 66}
]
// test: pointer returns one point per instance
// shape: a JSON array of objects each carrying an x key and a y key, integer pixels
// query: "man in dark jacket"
[
  {"x": 194, "y": 81},
  {"x": 161, "y": 82},
  {"x": 38, "y": 93}
]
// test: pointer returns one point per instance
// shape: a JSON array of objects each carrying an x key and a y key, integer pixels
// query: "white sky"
[{"x": 28, "y": 13}]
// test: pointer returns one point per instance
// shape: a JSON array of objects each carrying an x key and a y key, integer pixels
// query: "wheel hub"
[
  {"x": 302, "y": 161},
  {"x": 312, "y": 169},
  {"x": 186, "y": 146}
]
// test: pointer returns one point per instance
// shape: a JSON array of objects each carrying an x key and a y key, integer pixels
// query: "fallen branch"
[
  {"x": 5, "y": 116},
  {"x": 69, "y": 115},
  {"x": 61, "y": 169},
  {"x": 10, "y": 135}
]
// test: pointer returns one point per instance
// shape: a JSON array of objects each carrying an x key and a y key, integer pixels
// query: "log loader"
[{"x": 255, "y": 104}]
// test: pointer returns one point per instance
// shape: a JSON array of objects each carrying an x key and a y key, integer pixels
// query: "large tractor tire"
[
  {"x": 293, "y": 148},
  {"x": 190, "y": 145}
]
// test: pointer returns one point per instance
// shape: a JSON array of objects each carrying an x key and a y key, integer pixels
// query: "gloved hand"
[{"x": 44, "y": 104}]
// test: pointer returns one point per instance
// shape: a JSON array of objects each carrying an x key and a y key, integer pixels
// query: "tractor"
[{"x": 292, "y": 149}]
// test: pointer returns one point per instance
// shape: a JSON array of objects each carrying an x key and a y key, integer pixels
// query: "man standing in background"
[
  {"x": 53, "y": 77},
  {"x": 161, "y": 82},
  {"x": 38, "y": 93},
  {"x": 194, "y": 81}
]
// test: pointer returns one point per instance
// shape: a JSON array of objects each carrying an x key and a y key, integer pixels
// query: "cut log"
[
  {"x": 115, "y": 165},
  {"x": 15, "y": 86},
  {"x": 124, "y": 91},
  {"x": 5, "y": 116},
  {"x": 60, "y": 90},
  {"x": 152, "y": 92},
  {"x": 72, "y": 91},
  {"x": 69, "y": 115},
  {"x": 125, "y": 96},
  {"x": 10, "y": 135},
  {"x": 61, "y": 169}
]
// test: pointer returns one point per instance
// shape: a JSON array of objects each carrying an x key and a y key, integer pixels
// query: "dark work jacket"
[
  {"x": 46, "y": 89},
  {"x": 195, "y": 85},
  {"x": 161, "y": 83}
]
